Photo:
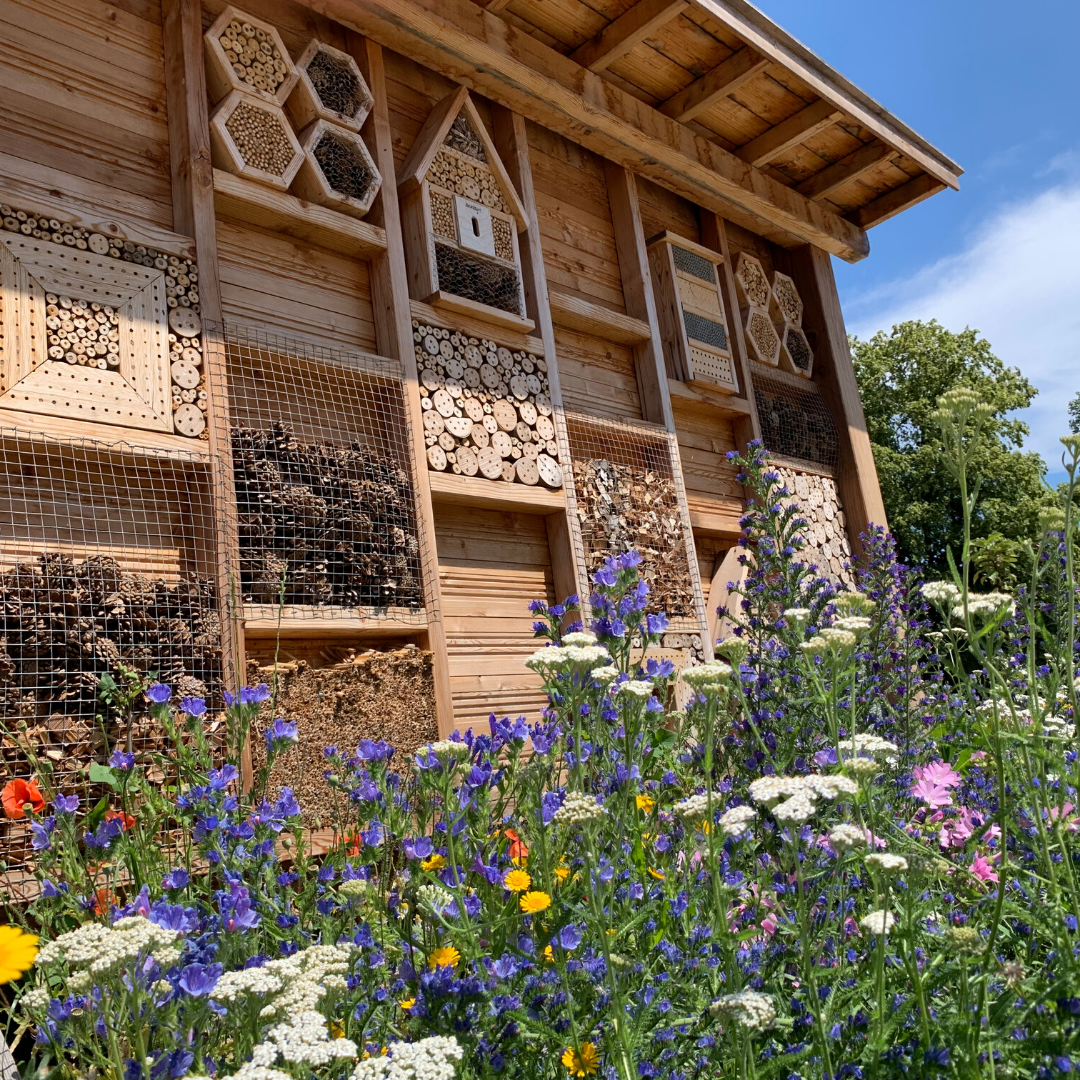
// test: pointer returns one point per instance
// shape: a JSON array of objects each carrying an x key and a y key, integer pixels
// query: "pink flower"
[
  {"x": 769, "y": 924},
  {"x": 939, "y": 773},
  {"x": 931, "y": 794},
  {"x": 978, "y": 755},
  {"x": 982, "y": 869},
  {"x": 875, "y": 841}
]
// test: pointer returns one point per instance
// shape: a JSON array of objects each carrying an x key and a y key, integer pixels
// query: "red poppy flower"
[
  {"x": 126, "y": 820},
  {"x": 519, "y": 850},
  {"x": 352, "y": 844},
  {"x": 15, "y": 796}
]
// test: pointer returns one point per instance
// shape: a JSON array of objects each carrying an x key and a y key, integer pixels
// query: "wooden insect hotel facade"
[{"x": 355, "y": 325}]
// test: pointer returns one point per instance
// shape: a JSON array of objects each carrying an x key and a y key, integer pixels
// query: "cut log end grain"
[
  {"x": 373, "y": 695},
  {"x": 630, "y": 508},
  {"x": 825, "y": 532}
]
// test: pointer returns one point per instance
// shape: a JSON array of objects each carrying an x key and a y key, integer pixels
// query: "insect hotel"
[{"x": 332, "y": 333}]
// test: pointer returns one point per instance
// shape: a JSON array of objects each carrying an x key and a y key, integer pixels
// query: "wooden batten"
[{"x": 577, "y": 314}]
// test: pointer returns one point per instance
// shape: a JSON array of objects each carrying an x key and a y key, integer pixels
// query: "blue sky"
[{"x": 992, "y": 85}]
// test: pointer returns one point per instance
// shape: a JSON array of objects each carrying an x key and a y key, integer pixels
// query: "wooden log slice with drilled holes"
[
  {"x": 543, "y": 404},
  {"x": 474, "y": 409},
  {"x": 533, "y": 385},
  {"x": 479, "y": 437},
  {"x": 500, "y": 441},
  {"x": 459, "y": 426},
  {"x": 491, "y": 425},
  {"x": 192, "y": 356},
  {"x": 436, "y": 456},
  {"x": 447, "y": 441},
  {"x": 549, "y": 471},
  {"x": 544, "y": 427},
  {"x": 431, "y": 379},
  {"x": 443, "y": 402},
  {"x": 489, "y": 376},
  {"x": 473, "y": 357},
  {"x": 185, "y": 375},
  {"x": 519, "y": 388},
  {"x": 455, "y": 369},
  {"x": 434, "y": 424},
  {"x": 189, "y": 420},
  {"x": 552, "y": 448},
  {"x": 431, "y": 345},
  {"x": 466, "y": 460},
  {"x": 505, "y": 414},
  {"x": 184, "y": 322},
  {"x": 527, "y": 472},
  {"x": 490, "y": 461},
  {"x": 530, "y": 450},
  {"x": 527, "y": 412},
  {"x": 471, "y": 378},
  {"x": 508, "y": 472}
]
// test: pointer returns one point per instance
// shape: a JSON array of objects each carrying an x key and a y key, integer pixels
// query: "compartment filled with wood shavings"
[
  {"x": 106, "y": 562},
  {"x": 369, "y": 695},
  {"x": 326, "y": 500},
  {"x": 628, "y": 499}
]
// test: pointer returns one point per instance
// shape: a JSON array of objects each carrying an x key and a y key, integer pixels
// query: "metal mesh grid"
[
  {"x": 344, "y": 165},
  {"x": 798, "y": 348},
  {"x": 326, "y": 502},
  {"x": 708, "y": 331},
  {"x": 690, "y": 262},
  {"x": 478, "y": 279},
  {"x": 795, "y": 421},
  {"x": 336, "y": 83},
  {"x": 106, "y": 559},
  {"x": 628, "y": 496}
]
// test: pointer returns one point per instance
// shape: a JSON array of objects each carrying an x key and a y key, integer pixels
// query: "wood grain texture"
[
  {"x": 573, "y": 313},
  {"x": 822, "y": 184},
  {"x": 896, "y": 200},
  {"x": 786, "y": 134},
  {"x": 722, "y": 80},
  {"x": 628, "y": 30}
]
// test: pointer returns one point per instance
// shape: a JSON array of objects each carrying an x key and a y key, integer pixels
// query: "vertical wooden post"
[
  {"x": 638, "y": 293},
  {"x": 393, "y": 332},
  {"x": 834, "y": 372},
  {"x": 193, "y": 215},
  {"x": 512, "y": 142}
]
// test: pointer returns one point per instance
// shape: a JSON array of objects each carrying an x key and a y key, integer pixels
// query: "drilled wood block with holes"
[
  {"x": 244, "y": 53},
  {"x": 254, "y": 139},
  {"x": 337, "y": 170},
  {"x": 329, "y": 87}
]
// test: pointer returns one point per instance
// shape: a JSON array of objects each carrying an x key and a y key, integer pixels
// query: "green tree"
[
  {"x": 901, "y": 374},
  {"x": 1074, "y": 414}
]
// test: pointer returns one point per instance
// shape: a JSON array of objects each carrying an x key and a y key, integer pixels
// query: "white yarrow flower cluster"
[
  {"x": 944, "y": 593},
  {"x": 433, "y": 898},
  {"x": 831, "y": 639},
  {"x": 795, "y": 810},
  {"x": 862, "y": 747},
  {"x": 104, "y": 947},
  {"x": 767, "y": 789},
  {"x": 36, "y": 999},
  {"x": 853, "y": 624},
  {"x": 303, "y": 1040},
  {"x": 890, "y": 864},
  {"x": 561, "y": 657},
  {"x": 829, "y": 787},
  {"x": 605, "y": 675},
  {"x": 986, "y": 606},
  {"x": 715, "y": 672},
  {"x": 635, "y": 688},
  {"x": 797, "y": 616},
  {"x": 737, "y": 820},
  {"x": 692, "y": 808},
  {"x": 878, "y": 922},
  {"x": 434, "y": 1058},
  {"x": 577, "y": 809},
  {"x": 800, "y": 793},
  {"x": 579, "y": 637},
  {"x": 845, "y": 837},
  {"x": 354, "y": 887},
  {"x": 748, "y": 1009},
  {"x": 448, "y": 750}
]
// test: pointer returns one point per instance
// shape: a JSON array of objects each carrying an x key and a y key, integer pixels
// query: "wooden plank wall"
[{"x": 491, "y": 564}]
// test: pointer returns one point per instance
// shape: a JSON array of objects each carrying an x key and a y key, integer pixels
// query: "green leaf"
[
  {"x": 103, "y": 774},
  {"x": 95, "y": 815}
]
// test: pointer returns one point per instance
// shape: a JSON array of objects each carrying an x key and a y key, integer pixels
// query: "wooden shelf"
[
  {"x": 495, "y": 494},
  {"x": 474, "y": 327},
  {"x": 460, "y": 305},
  {"x": 262, "y": 620},
  {"x": 716, "y": 520},
  {"x": 697, "y": 394},
  {"x": 279, "y": 211},
  {"x": 573, "y": 313}
]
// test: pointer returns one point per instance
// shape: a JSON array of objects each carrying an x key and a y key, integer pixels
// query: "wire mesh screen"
[
  {"x": 326, "y": 503},
  {"x": 478, "y": 279},
  {"x": 795, "y": 421},
  {"x": 106, "y": 561},
  {"x": 628, "y": 497}
]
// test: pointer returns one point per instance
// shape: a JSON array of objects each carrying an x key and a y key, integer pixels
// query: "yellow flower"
[
  {"x": 581, "y": 1062},
  {"x": 407, "y": 1004},
  {"x": 562, "y": 871},
  {"x": 656, "y": 874},
  {"x": 436, "y": 862},
  {"x": 445, "y": 956},
  {"x": 516, "y": 880},
  {"x": 533, "y": 902},
  {"x": 549, "y": 955},
  {"x": 337, "y": 1030},
  {"x": 17, "y": 952},
  {"x": 644, "y": 802}
]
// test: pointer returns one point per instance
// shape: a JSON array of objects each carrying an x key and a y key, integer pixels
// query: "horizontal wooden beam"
[
  {"x": 474, "y": 492},
  {"x": 463, "y": 42},
  {"x": 705, "y": 397},
  {"x": 278, "y": 211},
  {"x": 790, "y": 132},
  {"x": 573, "y": 313},
  {"x": 821, "y": 185},
  {"x": 720, "y": 82},
  {"x": 631, "y": 28},
  {"x": 893, "y": 202}
]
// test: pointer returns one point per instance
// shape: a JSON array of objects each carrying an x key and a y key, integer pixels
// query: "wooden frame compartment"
[
  {"x": 796, "y": 355},
  {"x": 241, "y": 160},
  {"x": 221, "y": 74},
  {"x": 307, "y": 102},
  {"x": 312, "y": 182},
  {"x": 785, "y": 304}
]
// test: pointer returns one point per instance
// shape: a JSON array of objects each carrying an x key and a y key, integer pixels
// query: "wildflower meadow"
[{"x": 848, "y": 846}]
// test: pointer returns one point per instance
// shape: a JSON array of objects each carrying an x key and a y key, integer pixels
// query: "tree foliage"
[{"x": 901, "y": 374}]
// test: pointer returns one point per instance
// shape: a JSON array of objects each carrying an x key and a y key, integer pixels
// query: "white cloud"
[{"x": 1018, "y": 283}]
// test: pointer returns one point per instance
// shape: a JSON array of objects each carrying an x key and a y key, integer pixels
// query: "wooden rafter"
[
  {"x": 721, "y": 81},
  {"x": 892, "y": 202},
  {"x": 460, "y": 40},
  {"x": 629, "y": 29},
  {"x": 790, "y": 132},
  {"x": 821, "y": 185}
]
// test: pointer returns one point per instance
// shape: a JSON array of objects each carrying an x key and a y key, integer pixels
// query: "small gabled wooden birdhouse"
[
  {"x": 690, "y": 308},
  {"x": 461, "y": 218}
]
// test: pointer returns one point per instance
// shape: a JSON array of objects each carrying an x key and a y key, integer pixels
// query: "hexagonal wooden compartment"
[
  {"x": 330, "y": 87},
  {"x": 753, "y": 284},
  {"x": 761, "y": 337},
  {"x": 224, "y": 74},
  {"x": 253, "y": 138},
  {"x": 785, "y": 305},
  {"x": 337, "y": 170},
  {"x": 796, "y": 355}
]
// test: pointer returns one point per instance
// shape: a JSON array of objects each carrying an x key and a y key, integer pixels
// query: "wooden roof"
[{"x": 708, "y": 98}]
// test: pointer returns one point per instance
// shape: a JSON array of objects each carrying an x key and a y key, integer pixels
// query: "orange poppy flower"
[
  {"x": 126, "y": 820},
  {"x": 352, "y": 843},
  {"x": 15, "y": 796},
  {"x": 519, "y": 850}
]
